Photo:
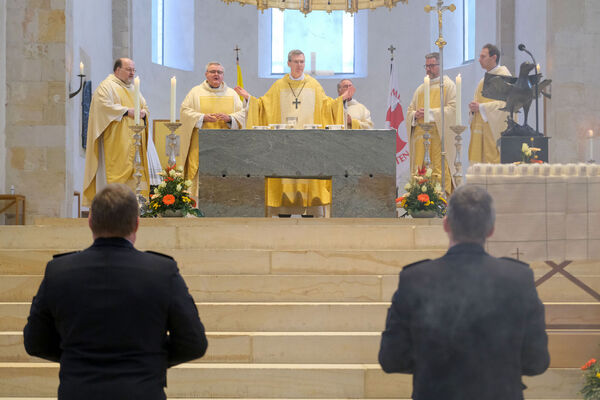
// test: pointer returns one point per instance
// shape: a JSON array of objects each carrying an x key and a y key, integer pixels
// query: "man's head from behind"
[
  {"x": 470, "y": 215},
  {"x": 114, "y": 213}
]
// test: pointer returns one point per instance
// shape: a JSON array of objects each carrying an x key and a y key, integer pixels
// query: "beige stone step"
[
  {"x": 317, "y": 317},
  {"x": 568, "y": 349},
  {"x": 242, "y": 234},
  {"x": 312, "y": 288},
  {"x": 276, "y": 381}
]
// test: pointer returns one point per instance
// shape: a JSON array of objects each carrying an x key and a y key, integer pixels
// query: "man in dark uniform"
[
  {"x": 114, "y": 317},
  {"x": 466, "y": 325}
]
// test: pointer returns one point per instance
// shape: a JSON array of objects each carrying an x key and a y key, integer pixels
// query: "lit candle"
[
  {"x": 591, "y": 144},
  {"x": 426, "y": 98},
  {"x": 81, "y": 68},
  {"x": 537, "y": 68},
  {"x": 458, "y": 96},
  {"x": 173, "y": 85},
  {"x": 136, "y": 85}
]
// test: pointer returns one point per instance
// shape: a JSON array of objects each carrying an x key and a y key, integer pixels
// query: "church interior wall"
[
  {"x": 3, "y": 188},
  {"x": 89, "y": 40}
]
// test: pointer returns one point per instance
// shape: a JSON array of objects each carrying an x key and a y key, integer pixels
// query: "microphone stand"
[{"x": 537, "y": 113}]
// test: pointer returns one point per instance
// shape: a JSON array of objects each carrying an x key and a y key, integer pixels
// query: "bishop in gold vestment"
[
  {"x": 296, "y": 97},
  {"x": 110, "y": 151},
  {"x": 210, "y": 105},
  {"x": 487, "y": 120}
]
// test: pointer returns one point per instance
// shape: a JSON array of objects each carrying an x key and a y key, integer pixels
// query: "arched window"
[{"x": 173, "y": 46}]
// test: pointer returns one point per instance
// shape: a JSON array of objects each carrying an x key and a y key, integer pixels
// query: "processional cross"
[
  {"x": 237, "y": 53},
  {"x": 391, "y": 50},
  {"x": 440, "y": 42}
]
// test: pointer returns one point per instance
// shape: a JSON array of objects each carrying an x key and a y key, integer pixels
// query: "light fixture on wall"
[
  {"x": 306, "y": 6},
  {"x": 81, "y": 76}
]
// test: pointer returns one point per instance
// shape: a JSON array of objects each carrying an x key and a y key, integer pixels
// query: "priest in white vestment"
[
  {"x": 487, "y": 120},
  {"x": 357, "y": 115},
  {"x": 299, "y": 99},
  {"x": 210, "y": 105},
  {"x": 110, "y": 150},
  {"x": 415, "y": 116}
]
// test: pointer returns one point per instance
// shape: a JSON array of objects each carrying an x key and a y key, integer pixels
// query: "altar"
[
  {"x": 234, "y": 165},
  {"x": 543, "y": 211}
]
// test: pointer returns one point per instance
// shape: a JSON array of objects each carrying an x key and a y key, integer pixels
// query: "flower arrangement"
[
  {"x": 529, "y": 154},
  {"x": 591, "y": 374},
  {"x": 172, "y": 195},
  {"x": 422, "y": 195}
]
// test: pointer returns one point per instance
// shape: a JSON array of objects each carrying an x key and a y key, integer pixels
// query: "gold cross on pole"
[
  {"x": 237, "y": 53},
  {"x": 440, "y": 8}
]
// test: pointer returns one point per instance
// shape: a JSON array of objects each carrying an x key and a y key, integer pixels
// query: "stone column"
[
  {"x": 3, "y": 188},
  {"x": 35, "y": 110},
  {"x": 121, "y": 24},
  {"x": 573, "y": 34},
  {"x": 505, "y": 12}
]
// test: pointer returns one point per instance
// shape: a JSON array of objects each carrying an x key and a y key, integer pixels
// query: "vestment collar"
[
  {"x": 221, "y": 88},
  {"x": 300, "y": 78},
  {"x": 119, "y": 82}
]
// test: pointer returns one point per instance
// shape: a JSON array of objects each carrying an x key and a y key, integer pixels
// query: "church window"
[
  {"x": 468, "y": 30},
  {"x": 334, "y": 44},
  {"x": 172, "y": 46}
]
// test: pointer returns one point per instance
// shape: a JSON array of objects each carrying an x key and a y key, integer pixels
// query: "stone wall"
[
  {"x": 35, "y": 111},
  {"x": 3, "y": 188},
  {"x": 573, "y": 34}
]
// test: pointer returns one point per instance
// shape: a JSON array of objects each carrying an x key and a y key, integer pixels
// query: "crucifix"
[
  {"x": 391, "y": 50},
  {"x": 440, "y": 42},
  {"x": 237, "y": 53},
  {"x": 296, "y": 102}
]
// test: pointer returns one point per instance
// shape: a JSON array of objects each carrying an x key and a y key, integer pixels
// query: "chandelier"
[{"x": 306, "y": 6}]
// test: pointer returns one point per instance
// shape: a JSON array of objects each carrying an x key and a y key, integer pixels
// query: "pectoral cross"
[{"x": 296, "y": 102}]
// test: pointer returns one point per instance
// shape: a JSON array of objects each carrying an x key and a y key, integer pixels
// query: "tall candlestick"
[
  {"x": 81, "y": 68},
  {"x": 458, "y": 100},
  {"x": 173, "y": 85},
  {"x": 136, "y": 85},
  {"x": 426, "y": 98},
  {"x": 591, "y": 144}
]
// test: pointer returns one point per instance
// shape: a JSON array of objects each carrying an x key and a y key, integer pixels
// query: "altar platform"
[{"x": 293, "y": 308}]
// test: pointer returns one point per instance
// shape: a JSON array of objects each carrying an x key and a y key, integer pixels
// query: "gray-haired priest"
[{"x": 357, "y": 115}]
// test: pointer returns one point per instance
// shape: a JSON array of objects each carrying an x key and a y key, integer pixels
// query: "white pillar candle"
[
  {"x": 458, "y": 100},
  {"x": 537, "y": 68},
  {"x": 591, "y": 144},
  {"x": 136, "y": 85},
  {"x": 81, "y": 68},
  {"x": 173, "y": 85},
  {"x": 426, "y": 98}
]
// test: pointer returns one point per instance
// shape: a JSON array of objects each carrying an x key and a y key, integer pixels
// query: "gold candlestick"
[
  {"x": 172, "y": 145},
  {"x": 458, "y": 130},
  {"x": 427, "y": 126},
  {"x": 138, "y": 165}
]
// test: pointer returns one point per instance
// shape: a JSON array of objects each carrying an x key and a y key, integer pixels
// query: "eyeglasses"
[
  {"x": 430, "y": 65},
  {"x": 214, "y": 71},
  {"x": 129, "y": 69}
]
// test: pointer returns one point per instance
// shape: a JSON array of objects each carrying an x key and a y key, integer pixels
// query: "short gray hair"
[
  {"x": 294, "y": 52},
  {"x": 339, "y": 84},
  {"x": 213, "y": 63},
  {"x": 470, "y": 214},
  {"x": 435, "y": 55}
]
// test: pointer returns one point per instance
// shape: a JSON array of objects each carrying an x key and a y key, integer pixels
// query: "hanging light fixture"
[{"x": 306, "y": 6}]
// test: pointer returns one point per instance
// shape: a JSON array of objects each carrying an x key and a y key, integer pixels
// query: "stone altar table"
[{"x": 234, "y": 164}]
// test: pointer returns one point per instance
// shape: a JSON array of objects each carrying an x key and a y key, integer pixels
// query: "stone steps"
[
  {"x": 325, "y": 381},
  {"x": 569, "y": 349},
  {"x": 313, "y": 288},
  {"x": 317, "y": 317}
]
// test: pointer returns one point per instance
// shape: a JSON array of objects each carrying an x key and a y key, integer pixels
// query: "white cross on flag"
[{"x": 395, "y": 120}]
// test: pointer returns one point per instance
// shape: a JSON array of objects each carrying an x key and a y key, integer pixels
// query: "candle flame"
[{"x": 591, "y": 133}]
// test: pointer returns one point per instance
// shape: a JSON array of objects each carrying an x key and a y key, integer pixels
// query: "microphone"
[{"x": 521, "y": 47}]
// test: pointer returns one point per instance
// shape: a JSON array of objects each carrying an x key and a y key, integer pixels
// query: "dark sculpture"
[{"x": 517, "y": 93}]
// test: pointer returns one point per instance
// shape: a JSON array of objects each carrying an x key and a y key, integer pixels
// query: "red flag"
[{"x": 395, "y": 120}]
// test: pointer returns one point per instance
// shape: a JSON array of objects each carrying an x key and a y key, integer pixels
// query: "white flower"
[
  {"x": 438, "y": 188},
  {"x": 428, "y": 172},
  {"x": 172, "y": 173},
  {"x": 424, "y": 188},
  {"x": 162, "y": 185},
  {"x": 180, "y": 168},
  {"x": 524, "y": 148},
  {"x": 162, "y": 173},
  {"x": 187, "y": 183},
  {"x": 178, "y": 187},
  {"x": 407, "y": 186},
  {"x": 156, "y": 190}
]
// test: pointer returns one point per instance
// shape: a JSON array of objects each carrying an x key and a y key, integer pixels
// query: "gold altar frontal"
[{"x": 298, "y": 194}]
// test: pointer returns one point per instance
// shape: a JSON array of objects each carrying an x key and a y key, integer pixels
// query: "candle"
[
  {"x": 591, "y": 144},
  {"x": 81, "y": 68},
  {"x": 458, "y": 96},
  {"x": 426, "y": 100},
  {"x": 537, "y": 68},
  {"x": 173, "y": 85},
  {"x": 136, "y": 85}
]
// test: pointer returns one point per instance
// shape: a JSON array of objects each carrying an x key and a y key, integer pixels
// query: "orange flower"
[
  {"x": 193, "y": 202},
  {"x": 422, "y": 171},
  {"x": 589, "y": 364},
  {"x": 169, "y": 179},
  {"x": 169, "y": 199},
  {"x": 423, "y": 198},
  {"x": 399, "y": 199}
]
